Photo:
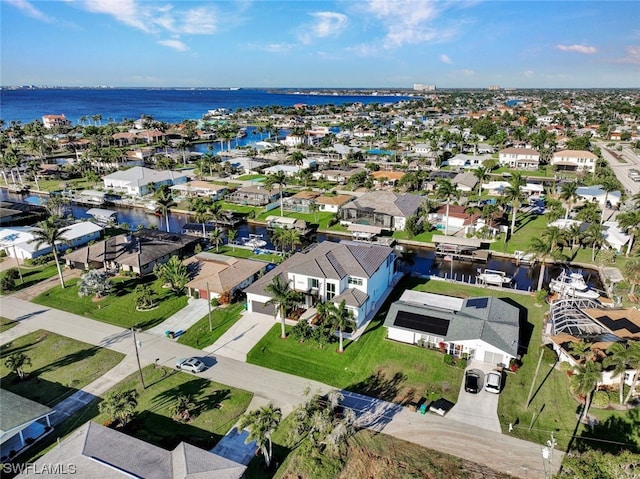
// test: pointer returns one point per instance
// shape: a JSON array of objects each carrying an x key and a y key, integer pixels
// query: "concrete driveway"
[
  {"x": 242, "y": 336},
  {"x": 182, "y": 320},
  {"x": 479, "y": 409}
]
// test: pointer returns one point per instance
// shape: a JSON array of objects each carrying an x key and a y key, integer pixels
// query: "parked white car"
[
  {"x": 191, "y": 364},
  {"x": 493, "y": 382}
]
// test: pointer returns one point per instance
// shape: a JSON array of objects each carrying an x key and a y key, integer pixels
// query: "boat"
[
  {"x": 103, "y": 217},
  {"x": 254, "y": 241},
  {"x": 524, "y": 258},
  {"x": 493, "y": 277},
  {"x": 572, "y": 284}
]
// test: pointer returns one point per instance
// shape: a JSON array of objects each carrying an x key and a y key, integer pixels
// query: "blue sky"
[{"x": 345, "y": 43}]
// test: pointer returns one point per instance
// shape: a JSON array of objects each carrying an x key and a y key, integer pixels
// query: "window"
[
  {"x": 331, "y": 291},
  {"x": 315, "y": 283},
  {"x": 355, "y": 281}
]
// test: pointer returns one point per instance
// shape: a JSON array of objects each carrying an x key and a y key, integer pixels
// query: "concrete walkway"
[
  {"x": 501, "y": 452},
  {"x": 236, "y": 342},
  {"x": 182, "y": 320}
]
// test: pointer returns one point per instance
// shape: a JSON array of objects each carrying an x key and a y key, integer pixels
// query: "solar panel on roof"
[
  {"x": 617, "y": 324},
  {"x": 477, "y": 302},
  {"x": 421, "y": 322}
]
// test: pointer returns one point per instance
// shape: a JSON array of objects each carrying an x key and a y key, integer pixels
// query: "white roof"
[
  {"x": 433, "y": 300},
  {"x": 19, "y": 236},
  {"x": 142, "y": 176}
]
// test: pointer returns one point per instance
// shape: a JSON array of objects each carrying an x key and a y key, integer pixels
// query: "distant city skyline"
[{"x": 320, "y": 44}]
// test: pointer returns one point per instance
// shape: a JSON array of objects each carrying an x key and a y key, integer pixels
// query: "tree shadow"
[
  {"x": 193, "y": 269},
  {"x": 378, "y": 385},
  {"x": 193, "y": 388},
  {"x": 67, "y": 360},
  {"x": 7, "y": 349},
  {"x": 612, "y": 435}
]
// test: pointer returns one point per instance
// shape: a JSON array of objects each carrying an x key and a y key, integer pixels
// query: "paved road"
[
  {"x": 621, "y": 163},
  {"x": 498, "y": 451}
]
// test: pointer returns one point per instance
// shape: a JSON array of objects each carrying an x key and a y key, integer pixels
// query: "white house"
[
  {"x": 575, "y": 160},
  {"x": 358, "y": 273},
  {"x": 462, "y": 160},
  {"x": 598, "y": 194},
  {"x": 614, "y": 235},
  {"x": 496, "y": 188},
  {"x": 135, "y": 181},
  {"x": 288, "y": 170},
  {"x": 519, "y": 158},
  {"x": 333, "y": 203},
  {"x": 485, "y": 328},
  {"x": 15, "y": 241}
]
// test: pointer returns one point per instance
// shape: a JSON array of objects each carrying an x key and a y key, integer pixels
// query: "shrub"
[
  {"x": 3, "y": 253},
  {"x": 215, "y": 302},
  {"x": 7, "y": 283},
  {"x": 541, "y": 296},
  {"x": 549, "y": 355},
  {"x": 600, "y": 399},
  {"x": 461, "y": 363},
  {"x": 448, "y": 359},
  {"x": 302, "y": 331}
]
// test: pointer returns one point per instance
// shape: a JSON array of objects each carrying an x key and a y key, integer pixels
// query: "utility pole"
[
  {"x": 138, "y": 344},
  {"x": 209, "y": 303},
  {"x": 547, "y": 456}
]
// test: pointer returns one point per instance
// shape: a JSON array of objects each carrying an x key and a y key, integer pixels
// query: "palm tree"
[
  {"x": 181, "y": 409},
  {"x": 293, "y": 238},
  {"x": 513, "y": 195},
  {"x": 545, "y": 248},
  {"x": 594, "y": 236},
  {"x": 582, "y": 350},
  {"x": 280, "y": 179},
  {"x": 281, "y": 294},
  {"x": 165, "y": 202},
  {"x": 634, "y": 362},
  {"x": 202, "y": 214},
  {"x": 261, "y": 423},
  {"x": 618, "y": 356},
  {"x": 342, "y": 317},
  {"x": 585, "y": 382},
  {"x": 16, "y": 363},
  {"x": 215, "y": 236},
  {"x": 568, "y": 194},
  {"x": 631, "y": 221},
  {"x": 49, "y": 232},
  {"x": 446, "y": 190},
  {"x": 231, "y": 237},
  {"x": 632, "y": 274},
  {"x": 482, "y": 174},
  {"x": 608, "y": 185},
  {"x": 120, "y": 406}
]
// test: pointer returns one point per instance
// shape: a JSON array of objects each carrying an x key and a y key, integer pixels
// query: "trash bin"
[{"x": 423, "y": 408}]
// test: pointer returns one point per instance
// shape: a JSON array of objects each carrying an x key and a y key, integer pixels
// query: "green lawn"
[
  {"x": 222, "y": 318},
  {"x": 527, "y": 227},
  {"x": 251, "y": 177},
  {"x": 218, "y": 408},
  {"x": 372, "y": 365},
  {"x": 74, "y": 184},
  {"x": 6, "y": 324},
  {"x": 59, "y": 366},
  {"x": 33, "y": 275},
  {"x": 119, "y": 308},
  {"x": 246, "y": 253}
]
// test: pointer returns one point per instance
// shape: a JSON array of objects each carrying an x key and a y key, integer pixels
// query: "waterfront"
[{"x": 418, "y": 260}]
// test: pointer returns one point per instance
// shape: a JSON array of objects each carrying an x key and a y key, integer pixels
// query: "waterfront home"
[
  {"x": 96, "y": 451},
  {"x": 599, "y": 195},
  {"x": 459, "y": 218},
  {"x": 138, "y": 252},
  {"x": 355, "y": 272},
  {"x": 496, "y": 188},
  {"x": 575, "y": 320},
  {"x": 387, "y": 178},
  {"x": 16, "y": 240},
  {"x": 574, "y": 160},
  {"x": 385, "y": 209},
  {"x": 333, "y": 203},
  {"x": 199, "y": 188},
  {"x": 216, "y": 274},
  {"x": 336, "y": 176},
  {"x": 136, "y": 181},
  {"x": 486, "y": 328},
  {"x": 465, "y": 182},
  {"x": 519, "y": 158},
  {"x": 289, "y": 170},
  {"x": 55, "y": 121},
  {"x": 253, "y": 195},
  {"x": 22, "y": 421},
  {"x": 615, "y": 236},
  {"x": 244, "y": 165},
  {"x": 301, "y": 202},
  {"x": 16, "y": 213}
]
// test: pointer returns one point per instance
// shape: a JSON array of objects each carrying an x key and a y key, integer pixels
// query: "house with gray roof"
[
  {"x": 21, "y": 420},
  {"x": 486, "y": 328},
  {"x": 136, "y": 181},
  {"x": 94, "y": 451},
  {"x": 386, "y": 209},
  {"x": 358, "y": 273}
]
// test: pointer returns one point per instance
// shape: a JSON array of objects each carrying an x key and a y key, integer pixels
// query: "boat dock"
[{"x": 453, "y": 247}]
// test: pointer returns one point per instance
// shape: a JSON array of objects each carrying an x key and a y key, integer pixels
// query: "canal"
[{"x": 418, "y": 260}]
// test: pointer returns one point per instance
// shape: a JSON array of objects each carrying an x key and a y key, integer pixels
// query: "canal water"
[{"x": 417, "y": 260}]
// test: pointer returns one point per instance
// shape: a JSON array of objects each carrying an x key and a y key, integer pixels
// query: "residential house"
[
  {"x": 55, "y": 121},
  {"x": 16, "y": 240},
  {"x": 496, "y": 188},
  {"x": 245, "y": 165},
  {"x": 253, "y": 195},
  {"x": 486, "y": 328},
  {"x": 615, "y": 236},
  {"x": 336, "y": 176},
  {"x": 138, "y": 252},
  {"x": 136, "y": 181},
  {"x": 465, "y": 182},
  {"x": 599, "y": 195},
  {"x": 301, "y": 202},
  {"x": 21, "y": 419},
  {"x": 216, "y": 274},
  {"x": 94, "y": 451},
  {"x": 574, "y": 160},
  {"x": 199, "y": 188},
  {"x": 458, "y": 218},
  {"x": 387, "y": 178},
  {"x": 519, "y": 158},
  {"x": 462, "y": 160},
  {"x": 385, "y": 209},
  {"x": 333, "y": 203},
  {"x": 358, "y": 273},
  {"x": 289, "y": 170}
]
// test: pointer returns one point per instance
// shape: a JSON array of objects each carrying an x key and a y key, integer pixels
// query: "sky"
[{"x": 320, "y": 44}]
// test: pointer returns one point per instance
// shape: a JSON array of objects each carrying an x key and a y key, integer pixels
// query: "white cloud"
[
  {"x": 585, "y": 49},
  {"x": 466, "y": 72},
  {"x": 632, "y": 57},
  {"x": 445, "y": 59},
  {"x": 199, "y": 21},
  {"x": 175, "y": 44},
  {"x": 326, "y": 24},
  {"x": 28, "y": 9},
  {"x": 528, "y": 73},
  {"x": 271, "y": 47}
]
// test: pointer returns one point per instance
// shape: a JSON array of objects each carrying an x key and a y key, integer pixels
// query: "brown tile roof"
[
  {"x": 334, "y": 200},
  {"x": 222, "y": 273}
]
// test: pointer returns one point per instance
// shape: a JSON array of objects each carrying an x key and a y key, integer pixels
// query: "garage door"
[
  {"x": 258, "y": 307},
  {"x": 492, "y": 358}
]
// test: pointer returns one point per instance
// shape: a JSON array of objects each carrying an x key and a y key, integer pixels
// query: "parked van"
[{"x": 634, "y": 175}]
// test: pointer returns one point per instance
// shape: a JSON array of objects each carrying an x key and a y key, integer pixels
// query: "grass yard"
[
  {"x": 32, "y": 275},
  {"x": 222, "y": 318},
  {"x": 251, "y": 177},
  {"x": 246, "y": 253},
  {"x": 321, "y": 218},
  {"x": 527, "y": 227},
  {"x": 59, "y": 366},
  {"x": 372, "y": 365},
  {"x": 217, "y": 408},
  {"x": 119, "y": 308},
  {"x": 73, "y": 184},
  {"x": 6, "y": 324}
]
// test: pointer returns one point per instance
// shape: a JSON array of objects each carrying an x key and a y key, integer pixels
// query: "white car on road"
[{"x": 191, "y": 364}]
